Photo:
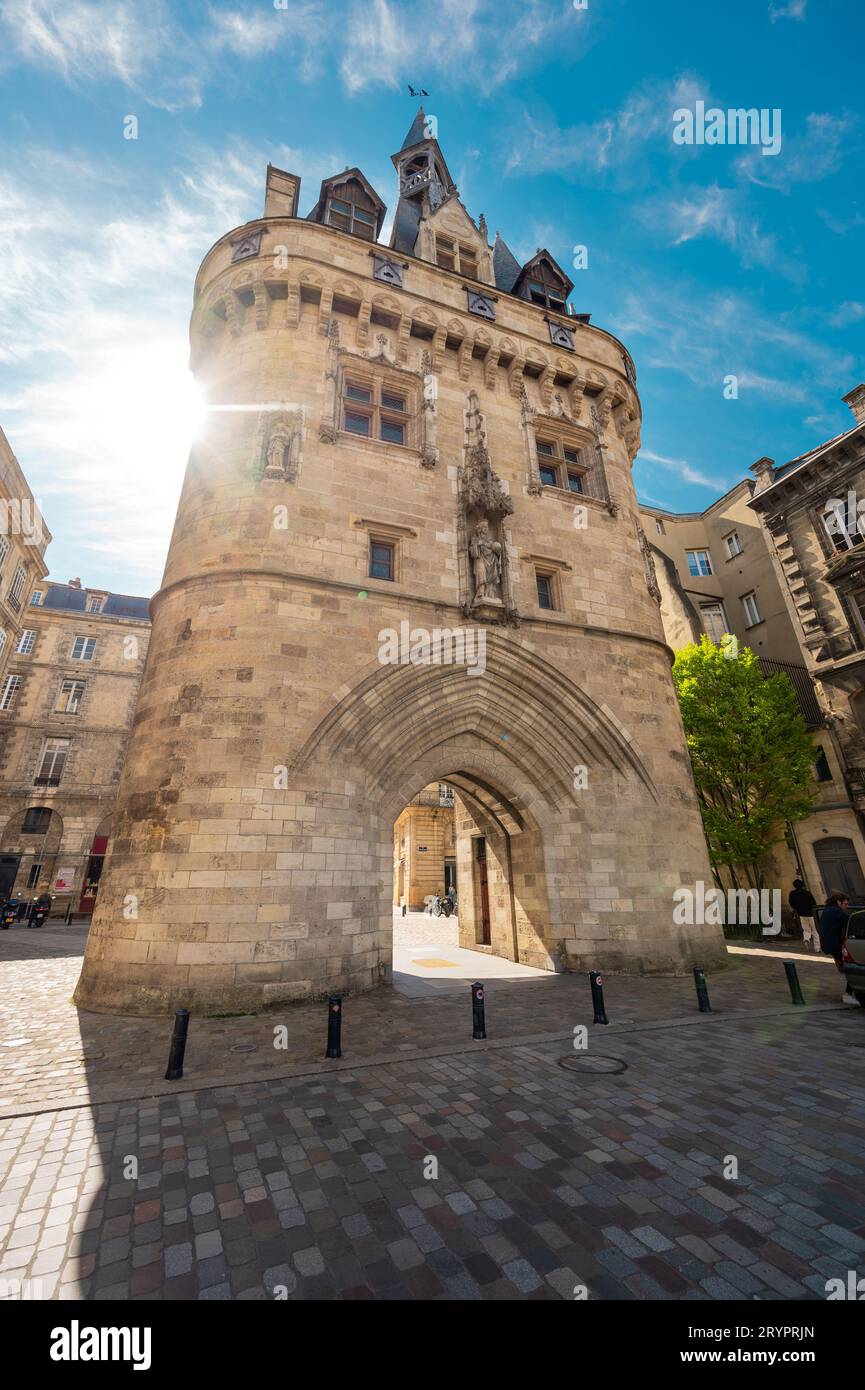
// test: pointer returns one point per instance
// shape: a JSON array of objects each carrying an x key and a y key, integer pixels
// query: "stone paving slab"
[
  {"x": 486, "y": 1175},
  {"x": 53, "y": 1055}
]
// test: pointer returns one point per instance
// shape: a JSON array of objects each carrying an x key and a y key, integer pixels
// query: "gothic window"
[
  {"x": 374, "y": 410},
  {"x": 382, "y": 559},
  {"x": 350, "y": 209},
  {"x": 546, "y": 288},
  {"x": 560, "y": 465}
]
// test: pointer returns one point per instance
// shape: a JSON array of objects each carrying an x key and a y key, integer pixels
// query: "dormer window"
[
  {"x": 545, "y": 288},
  {"x": 353, "y": 212}
]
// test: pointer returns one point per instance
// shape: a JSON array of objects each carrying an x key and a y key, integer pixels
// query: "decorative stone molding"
[
  {"x": 247, "y": 245},
  {"x": 483, "y": 506},
  {"x": 261, "y": 305},
  {"x": 530, "y": 446},
  {"x": 546, "y": 384},
  {"x": 325, "y": 309},
  {"x": 362, "y": 332},
  {"x": 438, "y": 349},
  {"x": 328, "y": 428},
  {"x": 429, "y": 451},
  {"x": 292, "y": 306},
  {"x": 403, "y": 339},
  {"x": 491, "y": 362},
  {"x": 283, "y": 441},
  {"x": 648, "y": 563},
  {"x": 391, "y": 272},
  {"x": 233, "y": 313},
  {"x": 515, "y": 375},
  {"x": 464, "y": 359}
]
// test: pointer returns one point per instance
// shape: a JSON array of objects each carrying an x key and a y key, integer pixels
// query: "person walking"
[
  {"x": 833, "y": 929},
  {"x": 805, "y": 907}
]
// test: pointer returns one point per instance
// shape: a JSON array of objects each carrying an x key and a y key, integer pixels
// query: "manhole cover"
[{"x": 611, "y": 1065}]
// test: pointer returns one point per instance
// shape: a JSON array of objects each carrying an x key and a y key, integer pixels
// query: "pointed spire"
[
  {"x": 417, "y": 130},
  {"x": 506, "y": 267}
]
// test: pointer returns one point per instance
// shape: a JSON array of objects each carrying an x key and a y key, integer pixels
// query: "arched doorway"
[
  {"x": 839, "y": 867},
  {"x": 28, "y": 851}
]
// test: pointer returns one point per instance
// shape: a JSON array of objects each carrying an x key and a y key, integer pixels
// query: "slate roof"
[
  {"x": 68, "y": 598},
  {"x": 506, "y": 267}
]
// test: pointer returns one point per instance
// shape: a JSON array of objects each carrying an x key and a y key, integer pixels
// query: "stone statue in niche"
[
  {"x": 282, "y": 449},
  {"x": 486, "y": 556}
]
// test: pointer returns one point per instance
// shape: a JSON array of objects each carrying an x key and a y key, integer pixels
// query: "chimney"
[
  {"x": 856, "y": 401},
  {"x": 281, "y": 194},
  {"x": 764, "y": 471},
  {"x": 74, "y": 584}
]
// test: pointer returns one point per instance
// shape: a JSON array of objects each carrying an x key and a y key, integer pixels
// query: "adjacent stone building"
[
  {"x": 756, "y": 563},
  {"x": 23, "y": 539},
  {"x": 424, "y": 848},
  {"x": 68, "y": 699},
  {"x": 407, "y": 550}
]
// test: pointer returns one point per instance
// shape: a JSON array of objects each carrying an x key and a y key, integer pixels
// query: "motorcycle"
[
  {"x": 38, "y": 912},
  {"x": 8, "y": 914}
]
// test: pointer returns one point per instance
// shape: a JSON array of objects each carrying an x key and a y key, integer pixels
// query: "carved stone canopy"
[{"x": 482, "y": 491}]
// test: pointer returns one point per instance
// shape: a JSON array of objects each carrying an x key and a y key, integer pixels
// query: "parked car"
[{"x": 853, "y": 954}]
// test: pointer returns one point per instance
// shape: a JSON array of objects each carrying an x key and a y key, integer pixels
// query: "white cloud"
[
  {"x": 683, "y": 470},
  {"x": 804, "y": 158},
  {"x": 851, "y": 311},
  {"x": 721, "y": 213},
  {"x": 794, "y": 9}
]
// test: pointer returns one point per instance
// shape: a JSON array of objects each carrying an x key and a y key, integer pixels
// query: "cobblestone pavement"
[
  {"x": 426, "y": 1166},
  {"x": 546, "y": 1179},
  {"x": 53, "y": 1055}
]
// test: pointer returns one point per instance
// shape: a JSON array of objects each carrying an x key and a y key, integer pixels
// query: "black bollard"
[
  {"x": 178, "y": 1045},
  {"x": 334, "y": 1026},
  {"x": 702, "y": 992},
  {"x": 793, "y": 981},
  {"x": 478, "y": 1020},
  {"x": 597, "y": 982}
]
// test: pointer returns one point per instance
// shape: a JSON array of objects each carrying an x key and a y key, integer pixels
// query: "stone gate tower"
[{"x": 407, "y": 550}]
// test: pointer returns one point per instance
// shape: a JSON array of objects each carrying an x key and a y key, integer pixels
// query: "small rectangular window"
[
  {"x": 83, "y": 648},
  {"x": 391, "y": 402},
  {"x": 358, "y": 393},
  {"x": 545, "y": 591},
  {"x": 33, "y": 875},
  {"x": 381, "y": 560},
  {"x": 36, "y": 598},
  {"x": 575, "y": 482},
  {"x": 16, "y": 588},
  {"x": 659, "y": 526},
  {"x": 822, "y": 770},
  {"x": 95, "y": 603},
  {"x": 11, "y": 686},
  {"x": 549, "y": 476},
  {"x": 699, "y": 563},
  {"x": 752, "y": 610},
  {"x": 545, "y": 448},
  {"x": 732, "y": 545},
  {"x": 26, "y": 642},
  {"x": 5, "y": 547}
]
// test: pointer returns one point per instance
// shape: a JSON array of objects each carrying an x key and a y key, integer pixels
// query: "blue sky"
[{"x": 557, "y": 123}]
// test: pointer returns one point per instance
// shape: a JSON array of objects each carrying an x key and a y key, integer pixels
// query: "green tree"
[{"x": 750, "y": 750}]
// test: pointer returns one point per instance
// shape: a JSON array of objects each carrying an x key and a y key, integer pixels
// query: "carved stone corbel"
[
  {"x": 464, "y": 359},
  {"x": 325, "y": 308},
  {"x": 363, "y": 317},
  {"x": 261, "y": 302},
  {"x": 545, "y": 385},
  {"x": 292, "y": 305},
  {"x": 491, "y": 363},
  {"x": 328, "y": 428},
  {"x": 234, "y": 313},
  {"x": 438, "y": 349},
  {"x": 403, "y": 339},
  {"x": 515, "y": 375},
  {"x": 577, "y": 395}
]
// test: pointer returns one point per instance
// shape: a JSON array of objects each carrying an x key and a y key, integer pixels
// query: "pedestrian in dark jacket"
[
  {"x": 803, "y": 904},
  {"x": 833, "y": 929}
]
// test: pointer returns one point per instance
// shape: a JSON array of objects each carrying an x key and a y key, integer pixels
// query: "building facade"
[
  {"x": 424, "y": 848},
  {"x": 69, "y": 695},
  {"x": 23, "y": 540},
  {"x": 734, "y": 568},
  {"x": 407, "y": 550}
]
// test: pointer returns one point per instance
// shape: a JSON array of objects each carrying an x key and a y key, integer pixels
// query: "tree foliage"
[{"x": 751, "y": 753}]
